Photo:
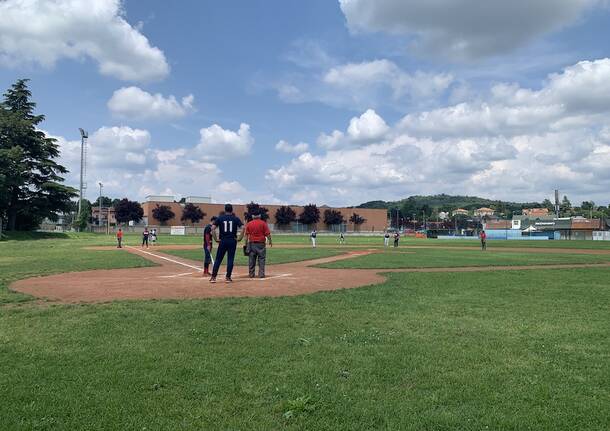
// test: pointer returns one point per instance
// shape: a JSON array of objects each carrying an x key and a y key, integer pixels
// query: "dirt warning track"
[{"x": 176, "y": 278}]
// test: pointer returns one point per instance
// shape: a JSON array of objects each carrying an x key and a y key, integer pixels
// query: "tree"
[
  {"x": 126, "y": 211},
  {"x": 566, "y": 205},
  {"x": 310, "y": 214},
  {"x": 106, "y": 202},
  {"x": 192, "y": 212},
  {"x": 284, "y": 215},
  {"x": 357, "y": 220},
  {"x": 85, "y": 215},
  {"x": 548, "y": 205},
  {"x": 163, "y": 213},
  {"x": 30, "y": 177},
  {"x": 333, "y": 217},
  {"x": 252, "y": 208}
]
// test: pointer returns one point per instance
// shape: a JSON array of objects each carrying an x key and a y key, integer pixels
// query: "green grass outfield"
[
  {"x": 495, "y": 350},
  {"x": 353, "y": 240},
  {"x": 439, "y": 258}
]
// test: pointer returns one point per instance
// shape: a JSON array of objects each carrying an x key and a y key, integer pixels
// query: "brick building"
[{"x": 376, "y": 219}]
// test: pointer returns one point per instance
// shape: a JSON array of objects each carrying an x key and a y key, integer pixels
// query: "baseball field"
[{"x": 432, "y": 335}]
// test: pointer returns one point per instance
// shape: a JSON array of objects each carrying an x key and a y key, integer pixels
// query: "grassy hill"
[{"x": 444, "y": 202}]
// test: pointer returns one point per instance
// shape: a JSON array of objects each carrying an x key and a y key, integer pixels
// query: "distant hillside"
[{"x": 443, "y": 202}]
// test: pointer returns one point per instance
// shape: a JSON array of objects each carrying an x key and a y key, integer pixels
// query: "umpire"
[{"x": 257, "y": 231}]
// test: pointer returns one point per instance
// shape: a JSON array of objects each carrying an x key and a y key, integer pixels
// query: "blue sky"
[{"x": 323, "y": 101}]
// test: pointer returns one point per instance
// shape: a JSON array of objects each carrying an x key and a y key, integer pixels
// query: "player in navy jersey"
[{"x": 227, "y": 232}]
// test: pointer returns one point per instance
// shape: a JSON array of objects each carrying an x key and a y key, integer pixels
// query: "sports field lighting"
[{"x": 83, "y": 159}]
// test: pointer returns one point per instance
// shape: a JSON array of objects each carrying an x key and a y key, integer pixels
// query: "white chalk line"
[
  {"x": 176, "y": 275},
  {"x": 198, "y": 268}
]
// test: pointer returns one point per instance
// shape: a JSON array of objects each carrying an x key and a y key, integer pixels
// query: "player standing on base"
[
  {"x": 208, "y": 244},
  {"x": 228, "y": 232}
]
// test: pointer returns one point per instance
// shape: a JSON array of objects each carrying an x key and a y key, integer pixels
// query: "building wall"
[{"x": 376, "y": 219}]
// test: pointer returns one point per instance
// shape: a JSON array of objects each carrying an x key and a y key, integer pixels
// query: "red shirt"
[
  {"x": 119, "y": 234},
  {"x": 483, "y": 235},
  {"x": 257, "y": 230}
]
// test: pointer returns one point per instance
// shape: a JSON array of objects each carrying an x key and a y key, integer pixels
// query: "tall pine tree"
[{"x": 30, "y": 179}]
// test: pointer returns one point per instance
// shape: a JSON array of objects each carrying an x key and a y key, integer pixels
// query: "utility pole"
[
  {"x": 83, "y": 160},
  {"x": 99, "y": 217}
]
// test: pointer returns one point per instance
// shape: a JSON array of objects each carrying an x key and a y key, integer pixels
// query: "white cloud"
[
  {"x": 135, "y": 103},
  {"x": 287, "y": 147},
  {"x": 361, "y": 130},
  {"x": 361, "y": 85},
  {"x": 43, "y": 32},
  {"x": 516, "y": 143},
  {"x": 369, "y": 126},
  {"x": 127, "y": 163},
  {"x": 576, "y": 97},
  {"x": 464, "y": 28},
  {"x": 379, "y": 74},
  {"x": 334, "y": 140},
  {"x": 220, "y": 144}
]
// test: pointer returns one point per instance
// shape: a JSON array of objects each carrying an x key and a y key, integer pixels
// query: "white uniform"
[
  {"x": 313, "y": 238},
  {"x": 386, "y": 240}
]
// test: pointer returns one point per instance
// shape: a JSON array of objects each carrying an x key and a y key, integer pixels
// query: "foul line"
[
  {"x": 198, "y": 268},
  {"x": 269, "y": 278},
  {"x": 176, "y": 275}
]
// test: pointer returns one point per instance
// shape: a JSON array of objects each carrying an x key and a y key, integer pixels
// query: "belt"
[{"x": 257, "y": 242}]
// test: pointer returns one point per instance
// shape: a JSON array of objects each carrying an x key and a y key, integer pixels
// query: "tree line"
[{"x": 422, "y": 208}]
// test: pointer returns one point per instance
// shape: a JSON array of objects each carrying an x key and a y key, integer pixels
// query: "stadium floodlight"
[{"x": 83, "y": 155}]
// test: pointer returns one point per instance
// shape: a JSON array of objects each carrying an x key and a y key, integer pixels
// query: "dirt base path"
[{"x": 176, "y": 278}]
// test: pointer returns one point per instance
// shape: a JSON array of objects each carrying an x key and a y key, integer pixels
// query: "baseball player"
[
  {"x": 483, "y": 237},
  {"x": 313, "y": 236},
  {"x": 153, "y": 236},
  {"x": 207, "y": 246},
  {"x": 145, "y": 235},
  {"x": 227, "y": 233},
  {"x": 119, "y": 238},
  {"x": 341, "y": 238},
  {"x": 386, "y": 239},
  {"x": 396, "y": 239}
]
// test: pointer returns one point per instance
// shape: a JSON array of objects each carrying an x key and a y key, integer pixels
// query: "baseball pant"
[
  {"x": 258, "y": 251},
  {"x": 120, "y": 241},
  {"x": 386, "y": 242},
  {"x": 226, "y": 246},
  {"x": 207, "y": 258},
  {"x": 313, "y": 242},
  {"x": 145, "y": 241}
]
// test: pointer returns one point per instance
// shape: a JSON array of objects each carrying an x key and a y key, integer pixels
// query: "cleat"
[
  {"x": 212, "y": 279},
  {"x": 228, "y": 280}
]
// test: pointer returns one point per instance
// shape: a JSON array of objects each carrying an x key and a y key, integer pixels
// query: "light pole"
[
  {"x": 83, "y": 136},
  {"x": 99, "y": 217}
]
